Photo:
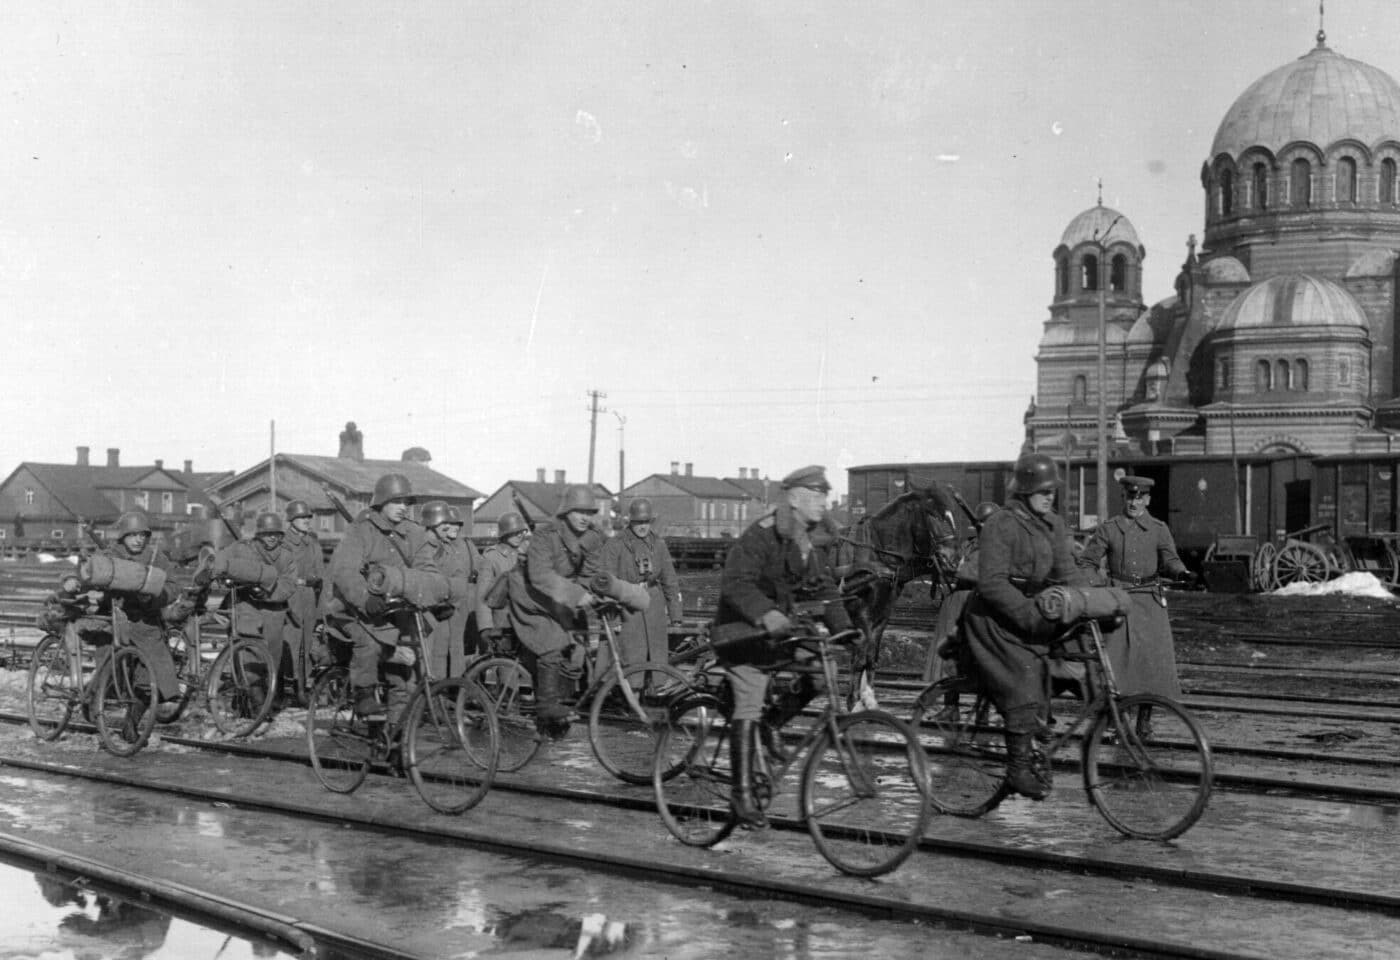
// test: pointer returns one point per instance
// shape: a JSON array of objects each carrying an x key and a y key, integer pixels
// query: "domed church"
[{"x": 1281, "y": 335}]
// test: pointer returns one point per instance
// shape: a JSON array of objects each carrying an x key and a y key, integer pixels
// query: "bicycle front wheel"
[
  {"x": 1150, "y": 784},
  {"x": 966, "y": 758},
  {"x": 508, "y": 685},
  {"x": 340, "y": 744},
  {"x": 52, "y": 691},
  {"x": 691, "y": 775},
  {"x": 125, "y": 717},
  {"x": 241, "y": 688},
  {"x": 863, "y": 795},
  {"x": 453, "y": 745},
  {"x": 624, "y": 734}
]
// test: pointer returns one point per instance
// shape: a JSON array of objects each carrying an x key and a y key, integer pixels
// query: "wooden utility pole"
[{"x": 596, "y": 395}]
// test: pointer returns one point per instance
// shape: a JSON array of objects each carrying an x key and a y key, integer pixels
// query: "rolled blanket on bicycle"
[
  {"x": 101, "y": 572},
  {"x": 633, "y": 596},
  {"x": 1064, "y": 604},
  {"x": 246, "y": 571},
  {"x": 420, "y": 588}
]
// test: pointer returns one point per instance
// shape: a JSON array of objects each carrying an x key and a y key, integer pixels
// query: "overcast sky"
[{"x": 772, "y": 233}]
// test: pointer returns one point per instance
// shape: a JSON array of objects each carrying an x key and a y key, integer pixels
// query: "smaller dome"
[
  {"x": 1102, "y": 224},
  {"x": 1226, "y": 270},
  {"x": 1295, "y": 299}
]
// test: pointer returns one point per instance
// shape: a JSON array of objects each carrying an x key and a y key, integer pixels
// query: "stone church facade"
[{"x": 1280, "y": 336}]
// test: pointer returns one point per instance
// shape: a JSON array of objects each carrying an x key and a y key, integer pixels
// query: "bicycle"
[
  {"x": 448, "y": 737},
  {"x": 862, "y": 780},
  {"x": 240, "y": 683},
  {"x": 112, "y": 688},
  {"x": 626, "y": 705},
  {"x": 1152, "y": 786}
]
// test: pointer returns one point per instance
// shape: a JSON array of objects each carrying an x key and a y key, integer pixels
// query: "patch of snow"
[{"x": 1359, "y": 584}]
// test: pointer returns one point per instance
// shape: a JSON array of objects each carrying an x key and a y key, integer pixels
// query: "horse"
[{"x": 910, "y": 537}]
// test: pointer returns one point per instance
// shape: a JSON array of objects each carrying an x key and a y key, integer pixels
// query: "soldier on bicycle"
[
  {"x": 779, "y": 561},
  {"x": 1023, "y": 548},
  {"x": 639, "y": 555},
  {"x": 457, "y": 559},
  {"x": 384, "y": 535},
  {"x": 260, "y": 612},
  {"x": 497, "y": 561},
  {"x": 310, "y": 567},
  {"x": 548, "y": 602}
]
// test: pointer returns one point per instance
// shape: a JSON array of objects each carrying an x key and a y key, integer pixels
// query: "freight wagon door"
[{"x": 1297, "y": 504}]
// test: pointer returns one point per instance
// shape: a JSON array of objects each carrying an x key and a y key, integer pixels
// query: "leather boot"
[
  {"x": 551, "y": 716},
  {"x": 367, "y": 705},
  {"x": 746, "y": 809},
  {"x": 1024, "y": 775}
]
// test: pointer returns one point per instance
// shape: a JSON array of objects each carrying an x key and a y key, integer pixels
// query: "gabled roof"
[
  {"x": 754, "y": 487},
  {"x": 544, "y": 497},
  {"x": 707, "y": 488},
  {"x": 359, "y": 476},
  {"x": 78, "y": 488}
]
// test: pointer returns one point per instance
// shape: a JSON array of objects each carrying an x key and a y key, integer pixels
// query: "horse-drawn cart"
[{"x": 1309, "y": 555}]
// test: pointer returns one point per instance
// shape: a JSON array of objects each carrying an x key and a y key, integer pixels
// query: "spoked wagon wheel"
[
  {"x": 1301, "y": 562},
  {"x": 1262, "y": 568}
]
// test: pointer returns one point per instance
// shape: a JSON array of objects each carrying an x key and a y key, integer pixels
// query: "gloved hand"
[
  {"x": 375, "y": 605},
  {"x": 776, "y": 623},
  {"x": 587, "y": 602},
  {"x": 70, "y": 586},
  {"x": 203, "y": 577},
  {"x": 1188, "y": 578}
]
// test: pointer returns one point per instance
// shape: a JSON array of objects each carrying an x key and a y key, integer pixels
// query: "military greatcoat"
[
  {"x": 1019, "y": 555},
  {"x": 458, "y": 561},
  {"x": 144, "y": 624},
  {"x": 546, "y": 589},
  {"x": 1141, "y": 651},
  {"x": 373, "y": 539},
  {"x": 645, "y": 560},
  {"x": 497, "y": 561},
  {"x": 302, "y": 609}
]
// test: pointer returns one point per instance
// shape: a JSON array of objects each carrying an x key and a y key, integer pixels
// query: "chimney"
[
  {"x": 558, "y": 476},
  {"x": 114, "y": 456},
  {"x": 675, "y": 467},
  {"x": 753, "y": 473},
  {"x": 160, "y": 464},
  {"x": 539, "y": 474},
  {"x": 189, "y": 466},
  {"x": 688, "y": 467},
  {"x": 82, "y": 456}
]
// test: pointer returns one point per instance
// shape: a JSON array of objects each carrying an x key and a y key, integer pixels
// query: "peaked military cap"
[
  {"x": 813, "y": 478},
  {"x": 1132, "y": 484}
]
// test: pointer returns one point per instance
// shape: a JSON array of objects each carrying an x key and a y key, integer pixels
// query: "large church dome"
[
  {"x": 1319, "y": 98},
  {"x": 1296, "y": 299}
]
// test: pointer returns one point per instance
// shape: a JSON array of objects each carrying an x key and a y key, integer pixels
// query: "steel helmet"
[
  {"x": 133, "y": 521},
  {"x": 298, "y": 509},
  {"x": 268, "y": 522},
  {"x": 577, "y": 497},
  {"x": 391, "y": 486},
  {"x": 439, "y": 511},
  {"x": 639, "y": 511},
  {"x": 984, "y": 510},
  {"x": 1035, "y": 473},
  {"x": 509, "y": 524}
]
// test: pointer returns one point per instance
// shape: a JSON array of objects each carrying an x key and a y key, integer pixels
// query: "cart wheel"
[
  {"x": 1392, "y": 565},
  {"x": 1262, "y": 568},
  {"x": 1300, "y": 562}
]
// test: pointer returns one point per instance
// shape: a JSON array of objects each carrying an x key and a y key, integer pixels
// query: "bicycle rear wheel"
[
  {"x": 624, "y": 736},
  {"x": 691, "y": 775},
  {"x": 452, "y": 746},
  {"x": 863, "y": 795},
  {"x": 966, "y": 759},
  {"x": 508, "y": 685},
  {"x": 125, "y": 688},
  {"x": 241, "y": 688},
  {"x": 51, "y": 693},
  {"x": 1152, "y": 787},
  {"x": 341, "y": 745},
  {"x": 186, "y": 676}
]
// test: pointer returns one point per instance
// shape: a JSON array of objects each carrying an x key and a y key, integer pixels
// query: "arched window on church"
[
  {"x": 1387, "y": 191},
  {"x": 1346, "y": 180},
  {"x": 1261, "y": 186},
  {"x": 1300, "y": 374},
  {"x": 1343, "y": 371},
  {"x": 1089, "y": 272},
  {"x": 1263, "y": 376},
  {"x": 1283, "y": 378},
  {"x": 1227, "y": 192},
  {"x": 1300, "y": 184},
  {"x": 1222, "y": 376},
  {"x": 1118, "y": 274},
  {"x": 1081, "y": 389},
  {"x": 1061, "y": 276}
]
